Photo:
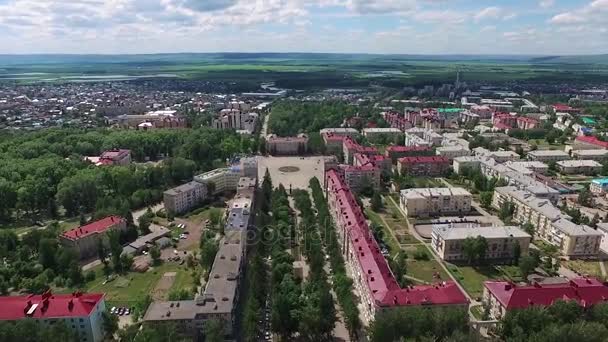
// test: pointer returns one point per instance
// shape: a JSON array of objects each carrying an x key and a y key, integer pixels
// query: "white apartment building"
[
  {"x": 448, "y": 241},
  {"x": 340, "y": 131},
  {"x": 550, "y": 224},
  {"x": 579, "y": 167},
  {"x": 435, "y": 201},
  {"x": 236, "y": 119},
  {"x": 498, "y": 156},
  {"x": 223, "y": 180},
  {"x": 528, "y": 167},
  {"x": 286, "y": 145},
  {"x": 184, "y": 197},
  {"x": 415, "y": 140},
  {"x": 452, "y": 152},
  {"x": 547, "y": 156},
  {"x": 433, "y": 137}
]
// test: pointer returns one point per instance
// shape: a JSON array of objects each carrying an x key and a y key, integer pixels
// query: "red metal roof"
[
  {"x": 585, "y": 291},
  {"x": 114, "y": 154},
  {"x": 380, "y": 280},
  {"x": 592, "y": 140},
  {"x": 424, "y": 160},
  {"x": 562, "y": 107},
  {"x": 92, "y": 228},
  {"x": 48, "y": 305}
]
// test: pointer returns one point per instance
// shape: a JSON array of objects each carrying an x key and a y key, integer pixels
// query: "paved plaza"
[{"x": 291, "y": 171}]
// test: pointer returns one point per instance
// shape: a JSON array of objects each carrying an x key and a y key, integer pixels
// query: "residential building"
[
  {"x": 152, "y": 120},
  {"x": 382, "y": 134},
  {"x": 373, "y": 281},
  {"x": 498, "y": 156},
  {"x": 396, "y": 152},
  {"x": 448, "y": 242},
  {"x": 237, "y": 119},
  {"x": 84, "y": 240},
  {"x": 459, "y": 164},
  {"x": 218, "y": 301},
  {"x": 452, "y": 152},
  {"x": 503, "y": 296},
  {"x": 584, "y": 142},
  {"x": 602, "y": 227},
  {"x": 415, "y": 140},
  {"x": 184, "y": 197},
  {"x": 249, "y": 167},
  {"x": 562, "y": 108},
  {"x": 548, "y": 156},
  {"x": 597, "y": 155},
  {"x": 333, "y": 142},
  {"x": 115, "y": 157},
  {"x": 550, "y": 224},
  {"x": 378, "y": 160},
  {"x": 434, "y": 138},
  {"x": 359, "y": 177},
  {"x": 350, "y": 147},
  {"x": 287, "y": 145},
  {"x": 81, "y": 313},
  {"x": 579, "y": 167},
  {"x": 526, "y": 123},
  {"x": 435, "y": 201},
  {"x": 528, "y": 167},
  {"x": 434, "y": 166},
  {"x": 220, "y": 180},
  {"x": 599, "y": 186},
  {"x": 343, "y": 132}
]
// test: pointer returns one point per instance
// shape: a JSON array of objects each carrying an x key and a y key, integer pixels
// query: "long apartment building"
[
  {"x": 82, "y": 314},
  {"x": 220, "y": 180},
  {"x": 396, "y": 152},
  {"x": 373, "y": 280},
  {"x": 297, "y": 145},
  {"x": 431, "y": 166},
  {"x": 426, "y": 202},
  {"x": 84, "y": 240},
  {"x": 502, "y": 296},
  {"x": 350, "y": 147},
  {"x": 184, "y": 197},
  {"x": 550, "y": 224},
  {"x": 448, "y": 242},
  {"x": 547, "y": 156}
]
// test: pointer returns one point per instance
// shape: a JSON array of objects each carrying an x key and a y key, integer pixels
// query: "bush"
[
  {"x": 90, "y": 276},
  {"x": 161, "y": 213},
  {"x": 421, "y": 254}
]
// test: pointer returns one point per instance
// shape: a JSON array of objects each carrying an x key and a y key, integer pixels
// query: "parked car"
[{"x": 113, "y": 310}]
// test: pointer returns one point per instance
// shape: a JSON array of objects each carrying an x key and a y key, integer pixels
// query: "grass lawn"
[
  {"x": 585, "y": 267},
  {"x": 69, "y": 224},
  {"x": 398, "y": 224},
  {"x": 127, "y": 289},
  {"x": 388, "y": 238},
  {"x": 472, "y": 278},
  {"x": 477, "y": 312},
  {"x": 425, "y": 269}
]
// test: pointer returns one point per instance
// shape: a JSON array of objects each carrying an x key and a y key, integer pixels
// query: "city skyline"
[{"x": 543, "y": 27}]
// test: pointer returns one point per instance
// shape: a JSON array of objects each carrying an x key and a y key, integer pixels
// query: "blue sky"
[{"x": 539, "y": 27}]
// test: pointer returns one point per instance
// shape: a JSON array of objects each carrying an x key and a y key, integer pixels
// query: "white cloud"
[
  {"x": 495, "y": 13},
  {"x": 546, "y": 3},
  {"x": 595, "y": 12},
  {"x": 446, "y": 17}
]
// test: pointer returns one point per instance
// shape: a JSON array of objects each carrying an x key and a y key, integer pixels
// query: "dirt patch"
[{"x": 163, "y": 286}]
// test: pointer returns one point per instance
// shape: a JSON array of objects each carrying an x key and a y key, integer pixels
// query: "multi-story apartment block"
[
  {"x": 502, "y": 297},
  {"x": 415, "y": 140},
  {"x": 550, "y": 224},
  {"x": 373, "y": 280},
  {"x": 584, "y": 142},
  {"x": 236, "y": 119},
  {"x": 433, "y": 137},
  {"x": 249, "y": 167},
  {"x": 579, "y": 167},
  {"x": 286, "y": 145},
  {"x": 84, "y": 240},
  {"x": 350, "y": 147},
  {"x": 435, "y": 201},
  {"x": 547, "y": 156},
  {"x": 448, "y": 242},
  {"x": 396, "y": 152},
  {"x": 452, "y": 152},
  {"x": 388, "y": 134},
  {"x": 80, "y": 313},
  {"x": 378, "y": 160},
  {"x": 359, "y": 177},
  {"x": 424, "y": 166},
  {"x": 498, "y": 156},
  {"x": 528, "y": 167},
  {"x": 219, "y": 300},
  {"x": 220, "y": 180},
  {"x": 597, "y": 155},
  {"x": 184, "y": 197}
]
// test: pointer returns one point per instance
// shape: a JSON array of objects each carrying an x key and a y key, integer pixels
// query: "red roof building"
[
  {"x": 430, "y": 166},
  {"x": 115, "y": 157},
  {"x": 396, "y": 152},
  {"x": 373, "y": 278},
  {"x": 589, "y": 142},
  {"x": 562, "y": 108},
  {"x": 84, "y": 239},
  {"x": 350, "y": 147},
  {"x": 503, "y": 296},
  {"x": 80, "y": 312}
]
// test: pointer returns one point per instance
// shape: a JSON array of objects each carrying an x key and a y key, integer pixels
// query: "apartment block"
[
  {"x": 550, "y": 224},
  {"x": 503, "y": 296},
  {"x": 184, "y": 197},
  {"x": 350, "y": 147},
  {"x": 597, "y": 155},
  {"x": 448, "y": 242},
  {"x": 84, "y": 240},
  {"x": 373, "y": 281},
  {"x": 498, "y": 156},
  {"x": 579, "y": 167},
  {"x": 358, "y": 177},
  {"x": 452, "y": 152},
  {"x": 599, "y": 186},
  {"x": 424, "y": 202},
  {"x": 81, "y": 313},
  {"x": 396, "y": 152},
  {"x": 424, "y": 166},
  {"x": 220, "y": 180},
  {"x": 547, "y": 156}
]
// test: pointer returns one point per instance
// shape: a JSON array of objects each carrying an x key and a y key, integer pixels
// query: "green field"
[{"x": 302, "y": 70}]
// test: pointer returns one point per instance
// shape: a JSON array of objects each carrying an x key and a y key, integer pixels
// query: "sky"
[{"x": 530, "y": 27}]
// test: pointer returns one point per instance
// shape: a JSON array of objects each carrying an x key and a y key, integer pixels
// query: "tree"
[
  {"x": 376, "y": 202},
  {"x": 585, "y": 198},
  {"x": 529, "y": 228},
  {"x": 506, "y": 211},
  {"x": 527, "y": 264},
  {"x": 516, "y": 252},
  {"x": 155, "y": 255},
  {"x": 145, "y": 221},
  {"x": 485, "y": 198},
  {"x": 214, "y": 330},
  {"x": 469, "y": 249},
  {"x": 110, "y": 323},
  {"x": 47, "y": 252},
  {"x": 481, "y": 247}
]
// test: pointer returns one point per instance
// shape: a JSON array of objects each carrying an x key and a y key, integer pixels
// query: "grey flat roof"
[
  {"x": 448, "y": 233},
  {"x": 155, "y": 235},
  {"x": 184, "y": 188}
]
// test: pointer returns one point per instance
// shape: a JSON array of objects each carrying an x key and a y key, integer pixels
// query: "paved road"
[{"x": 264, "y": 131}]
